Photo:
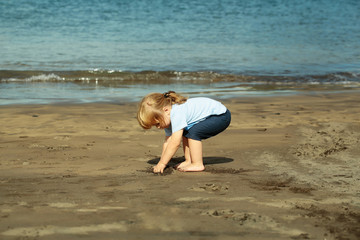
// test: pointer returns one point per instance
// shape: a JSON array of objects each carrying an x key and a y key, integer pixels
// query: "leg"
[
  {"x": 197, "y": 164},
  {"x": 186, "y": 154}
]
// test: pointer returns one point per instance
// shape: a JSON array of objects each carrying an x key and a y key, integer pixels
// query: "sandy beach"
[{"x": 286, "y": 168}]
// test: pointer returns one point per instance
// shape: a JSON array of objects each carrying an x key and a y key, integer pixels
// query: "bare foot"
[
  {"x": 192, "y": 168},
  {"x": 182, "y": 165}
]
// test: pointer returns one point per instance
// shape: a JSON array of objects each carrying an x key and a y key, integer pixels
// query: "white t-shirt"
[{"x": 191, "y": 112}]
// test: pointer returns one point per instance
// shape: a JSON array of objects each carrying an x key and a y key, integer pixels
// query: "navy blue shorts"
[{"x": 209, "y": 127}]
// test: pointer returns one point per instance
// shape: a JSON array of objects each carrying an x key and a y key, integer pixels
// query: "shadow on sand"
[{"x": 207, "y": 160}]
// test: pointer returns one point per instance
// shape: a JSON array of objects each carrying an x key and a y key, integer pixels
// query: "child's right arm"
[
  {"x": 170, "y": 147},
  {"x": 166, "y": 141},
  {"x": 165, "y": 144}
]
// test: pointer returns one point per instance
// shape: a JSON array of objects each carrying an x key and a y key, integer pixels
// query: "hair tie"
[{"x": 167, "y": 94}]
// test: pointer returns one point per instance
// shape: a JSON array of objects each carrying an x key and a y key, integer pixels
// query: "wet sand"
[{"x": 286, "y": 168}]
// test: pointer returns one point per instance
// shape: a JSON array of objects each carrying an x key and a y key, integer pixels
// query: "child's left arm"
[{"x": 173, "y": 144}]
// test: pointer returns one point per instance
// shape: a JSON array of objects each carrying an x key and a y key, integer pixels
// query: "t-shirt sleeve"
[{"x": 178, "y": 119}]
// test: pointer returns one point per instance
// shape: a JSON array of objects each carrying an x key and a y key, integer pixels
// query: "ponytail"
[{"x": 174, "y": 97}]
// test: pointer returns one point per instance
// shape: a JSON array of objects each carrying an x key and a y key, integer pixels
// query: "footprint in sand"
[
  {"x": 255, "y": 221},
  {"x": 212, "y": 188},
  {"x": 62, "y": 137}
]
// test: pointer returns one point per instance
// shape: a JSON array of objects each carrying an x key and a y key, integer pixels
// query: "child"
[{"x": 187, "y": 120}]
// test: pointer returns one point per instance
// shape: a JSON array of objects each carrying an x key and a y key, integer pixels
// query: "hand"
[{"x": 159, "y": 168}]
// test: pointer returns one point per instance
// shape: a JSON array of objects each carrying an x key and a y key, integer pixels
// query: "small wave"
[
  {"x": 98, "y": 70},
  {"x": 30, "y": 77},
  {"x": 118, "y": 77},
  {"x": 45, "y": 77}
]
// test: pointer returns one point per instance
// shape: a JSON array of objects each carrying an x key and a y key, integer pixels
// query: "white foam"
[{"x": 45, "y": 77}]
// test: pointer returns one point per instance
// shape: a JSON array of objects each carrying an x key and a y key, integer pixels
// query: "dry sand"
[{"x": 286, "y": 168}]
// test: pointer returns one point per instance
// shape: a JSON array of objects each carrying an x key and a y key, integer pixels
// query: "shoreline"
[
  {"x": 121, "y": 87},
  {"x": 220, "y": 96},
  {"x": 287, "y": 167}
]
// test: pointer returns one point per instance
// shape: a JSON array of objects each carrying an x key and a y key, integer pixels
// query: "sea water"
[{"x": 87, "y": 51}]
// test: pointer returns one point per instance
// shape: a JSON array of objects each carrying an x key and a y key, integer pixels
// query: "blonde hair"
[{"x": 151, "y": 107}]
